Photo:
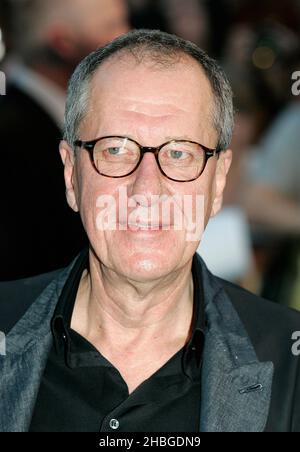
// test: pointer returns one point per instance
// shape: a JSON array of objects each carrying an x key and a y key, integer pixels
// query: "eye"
[
  {"x": 115, "y": 151},
  {"x": 118, "y": 153},
  {"x": 178, "y": 155}
]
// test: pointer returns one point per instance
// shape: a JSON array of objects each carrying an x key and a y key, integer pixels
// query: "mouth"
[{"x": 145, "y": 226}]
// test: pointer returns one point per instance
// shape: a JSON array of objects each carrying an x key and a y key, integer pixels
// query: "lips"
[{"x": 146, "y": 226}]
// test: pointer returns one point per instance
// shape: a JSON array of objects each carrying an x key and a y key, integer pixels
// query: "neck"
[{"x": 112, "y": 309}]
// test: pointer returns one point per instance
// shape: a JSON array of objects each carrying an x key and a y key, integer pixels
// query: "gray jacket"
[{"x": 236, "y": 387}]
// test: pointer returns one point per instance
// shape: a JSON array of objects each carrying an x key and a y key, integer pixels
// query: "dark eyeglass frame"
[{"x": 90, "y": 145}]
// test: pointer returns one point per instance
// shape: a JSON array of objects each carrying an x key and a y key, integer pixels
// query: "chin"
[
  {"x": 142, "y": 257},
  {"x": 143, "y": 268}
]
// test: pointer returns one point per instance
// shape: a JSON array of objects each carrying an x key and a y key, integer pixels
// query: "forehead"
[
  {"x": 123, "y": 75},
  {"x": 123, "y": 88}
]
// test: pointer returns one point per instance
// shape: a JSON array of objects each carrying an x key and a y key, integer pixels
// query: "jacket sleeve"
[{"x": 16, "y": 298}]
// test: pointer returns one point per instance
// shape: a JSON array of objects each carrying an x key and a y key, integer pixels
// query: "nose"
[{"x": 147, "y": 178}]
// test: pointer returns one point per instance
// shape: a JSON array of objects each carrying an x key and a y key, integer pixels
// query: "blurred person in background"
[
  {"x": 37, "y": 230},
  {"x": 272, "y": 201},
  {"x": 5, "y": 28},
  {"x": 272, "y": 195},
  {"x": 188, "y": 19},
  {"x": 275, "y": 55},
  {"x": 259, "y": 61}
]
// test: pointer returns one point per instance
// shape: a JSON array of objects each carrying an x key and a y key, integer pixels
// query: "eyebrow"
[{"x": 167, "y": 138}]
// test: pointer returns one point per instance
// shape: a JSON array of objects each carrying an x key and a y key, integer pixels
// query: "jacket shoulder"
[
  {"x": 17, "y": 296},
  {"x": 260, "y": 313}
]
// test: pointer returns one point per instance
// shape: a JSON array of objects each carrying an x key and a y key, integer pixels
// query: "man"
[
  {"x": 38, "y": 232},
  {"x": 136, "y": 334}
]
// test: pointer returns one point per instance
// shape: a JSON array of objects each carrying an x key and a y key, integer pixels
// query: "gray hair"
[{"x": 163, "y": 49}]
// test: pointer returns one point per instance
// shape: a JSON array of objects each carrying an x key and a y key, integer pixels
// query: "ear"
[
  {"x": 67, "y": 156},
  {"x": 223, "y": 166}
]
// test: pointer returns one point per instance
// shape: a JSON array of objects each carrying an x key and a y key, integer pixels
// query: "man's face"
[{"x": 150, "y": 106}]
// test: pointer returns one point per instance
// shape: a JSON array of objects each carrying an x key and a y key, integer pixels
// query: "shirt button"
[{"x": 114, "y": 424}]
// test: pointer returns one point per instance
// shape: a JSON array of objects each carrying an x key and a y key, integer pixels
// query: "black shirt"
[{"x": 81, "y": 391}]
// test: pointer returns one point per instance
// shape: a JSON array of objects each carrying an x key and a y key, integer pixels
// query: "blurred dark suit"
[{"x": 38, "y": 230}]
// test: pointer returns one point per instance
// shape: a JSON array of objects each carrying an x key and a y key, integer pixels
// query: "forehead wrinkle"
[
  {"x": 137, "y": 125},
  {"x": 152, "y": 107},
  {"x": 154, "y": 113},
  {"x": 140, "y": 116}
]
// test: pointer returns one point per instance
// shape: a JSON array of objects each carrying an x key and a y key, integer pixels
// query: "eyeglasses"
[{"x": 117, "y": 156}]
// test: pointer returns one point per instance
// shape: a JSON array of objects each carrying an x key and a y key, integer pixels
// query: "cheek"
[
  {"x": 88, "y": 185},
  {"x": 209, "y": 199},
  {"x": 205, "y": 190}
]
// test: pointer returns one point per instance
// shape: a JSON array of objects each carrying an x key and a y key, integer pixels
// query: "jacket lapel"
[
  {"x": 27, "y": 350},
  {"x": 236, "y": 387},
  {"x": 235, "y": 397}
]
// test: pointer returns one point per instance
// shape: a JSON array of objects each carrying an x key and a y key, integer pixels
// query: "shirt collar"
[
  {"x": 194, "y": 350},
  {"x": 61, "y": 320}
]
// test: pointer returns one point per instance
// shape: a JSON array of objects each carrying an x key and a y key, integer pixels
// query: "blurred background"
[{"x": 255, "y": 240}]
